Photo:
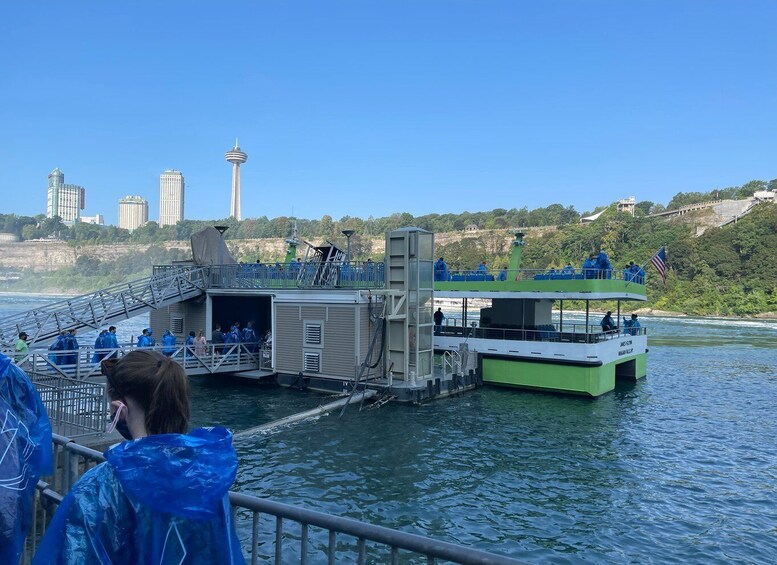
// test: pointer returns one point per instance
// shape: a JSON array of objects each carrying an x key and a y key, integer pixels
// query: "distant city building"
[
  {"x": 765, "y": 195},
  {"x": 237, "y": 158},
  {"x": 171, "y": 196},
  {"x": 133, "y": 212},
  {"x": 97, "y": 220},
  {"x": 627, "y": 205},
  {"x": 64, "y": 200}
]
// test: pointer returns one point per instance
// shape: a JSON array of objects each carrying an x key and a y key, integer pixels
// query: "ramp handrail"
[{"x": 96, "y": 309}]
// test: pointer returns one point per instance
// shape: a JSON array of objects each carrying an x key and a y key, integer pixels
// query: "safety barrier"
[
  {"x": 575, "y": 333},
  {"x": 262, "y": 526}
]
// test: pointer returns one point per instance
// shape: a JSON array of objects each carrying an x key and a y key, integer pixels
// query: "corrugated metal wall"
[
  {"x": 338, "y": 355},
  {"x": 192, "y": 313}
]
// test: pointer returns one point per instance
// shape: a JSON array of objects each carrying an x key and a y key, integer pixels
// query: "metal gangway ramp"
[{"x": 106, "y": 306}]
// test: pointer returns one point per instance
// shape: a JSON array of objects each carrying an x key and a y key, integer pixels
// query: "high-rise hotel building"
[
  {"x": 64, "y": 200},
  {"x": 171, "y": 189},
  {"x": 133, "y": 212}
]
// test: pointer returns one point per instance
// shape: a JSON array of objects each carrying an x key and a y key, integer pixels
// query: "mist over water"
[{"x": 681, "y": 466}]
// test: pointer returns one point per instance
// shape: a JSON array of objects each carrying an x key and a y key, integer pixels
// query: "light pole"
[{"x": 348, "y": 234}]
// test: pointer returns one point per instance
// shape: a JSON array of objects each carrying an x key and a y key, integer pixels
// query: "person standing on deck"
[
  {"x": 438, "y": 318},
  {"x": 632, "y": 326},
  {"x": 200, "y": 344}
]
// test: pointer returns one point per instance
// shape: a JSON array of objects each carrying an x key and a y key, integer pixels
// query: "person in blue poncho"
[
  {"x": 25, "y": 456},
  {"x": 143, "y": 339},
  {"x": 589, "y": 267},
  {"x": 102, "y": 342},
  {"x": 604, "y": 265},
  {"x": 162, "y": 496},
  {"x": 168, "y": 343},
  {"x": 631, "y": 327},
  {"x": 249, "y": 336},
  {"x": 58, "y": 345}
]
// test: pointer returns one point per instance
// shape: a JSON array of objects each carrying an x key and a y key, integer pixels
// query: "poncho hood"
[{"x": 185, "y": 475}]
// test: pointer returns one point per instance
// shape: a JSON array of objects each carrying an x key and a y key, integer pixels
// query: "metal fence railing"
[
  {"x": 75, "y": 408},
  {"x": 272, "y": 531}
]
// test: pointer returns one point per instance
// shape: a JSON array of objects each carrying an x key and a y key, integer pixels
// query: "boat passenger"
[
  {"x": 440, "y": 270},
  {"x": 631, "y": 326},
  {"x": 502, "y": 276},
  {"x": 568, "y": 269},
  {"x": 607, "y": 323},
  {"x": 589, "y": 267},
  {"x": 482, "y": 267},
  {"x": 438, "y": 318},
  {"x": 200, "y": 344},
  {"x": 158, "y": 498},
  {"x": 151, "y": 340},
  {"x": 604, "y": 265}
]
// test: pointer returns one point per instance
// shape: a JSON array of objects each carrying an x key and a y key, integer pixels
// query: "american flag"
[{"x": 659, "y": 262}]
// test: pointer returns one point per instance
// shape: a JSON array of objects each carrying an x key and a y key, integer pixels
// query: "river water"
[{"x": 681, "y": 466}]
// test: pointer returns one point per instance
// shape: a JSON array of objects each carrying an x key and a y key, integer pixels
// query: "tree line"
[{"x": 40, "y": 227}]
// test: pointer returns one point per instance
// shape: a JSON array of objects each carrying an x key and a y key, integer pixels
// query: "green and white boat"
[{"x": 517, "y": 340}]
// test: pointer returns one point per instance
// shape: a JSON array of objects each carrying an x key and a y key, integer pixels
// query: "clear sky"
[{"x": 372, "y": 107}]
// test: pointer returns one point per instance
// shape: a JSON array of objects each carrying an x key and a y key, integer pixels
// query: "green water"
[{"x": 680, "y": 466}]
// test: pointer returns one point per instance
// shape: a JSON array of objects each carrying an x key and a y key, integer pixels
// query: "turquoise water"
[{"x": 681, "y": 466}]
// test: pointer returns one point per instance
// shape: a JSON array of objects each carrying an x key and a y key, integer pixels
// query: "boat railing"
[
  {"x": 570, "y": 333},
  {"x": 476, "y": 275},
  {"x": 269, "y": 530}
]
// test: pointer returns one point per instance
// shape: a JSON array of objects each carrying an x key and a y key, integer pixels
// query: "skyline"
[{"x": 366, "y": 110}]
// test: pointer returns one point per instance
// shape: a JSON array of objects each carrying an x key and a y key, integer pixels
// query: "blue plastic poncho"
[
  {"x": 25, "y": 455},
  {"x": 161, "y": 499}
]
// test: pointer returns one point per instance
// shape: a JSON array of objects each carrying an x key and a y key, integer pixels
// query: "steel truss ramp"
[{"x": 105, "y": 306}]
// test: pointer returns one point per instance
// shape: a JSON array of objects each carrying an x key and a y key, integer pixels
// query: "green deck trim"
[
  {"x": 589, "y": 381},
  {"x": 575, "y": 285}
]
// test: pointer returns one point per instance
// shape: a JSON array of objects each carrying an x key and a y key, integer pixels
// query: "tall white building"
[
  {"x": 133, "y": 212},
  {"x": 64, "y": 200},
  {"x": 171, "y": 191}
]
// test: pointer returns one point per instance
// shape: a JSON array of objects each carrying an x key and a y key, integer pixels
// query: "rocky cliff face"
[{"x": 46, "y": 256}]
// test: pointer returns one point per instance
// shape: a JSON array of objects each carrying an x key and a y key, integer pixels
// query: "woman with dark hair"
[{"x": 161, "y": 497}]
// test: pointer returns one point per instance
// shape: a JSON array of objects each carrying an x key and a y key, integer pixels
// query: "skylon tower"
[{"x": 237, "y": 158}]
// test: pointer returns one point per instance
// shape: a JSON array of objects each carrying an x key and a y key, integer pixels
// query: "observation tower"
[{"x": 237, "y": 158}]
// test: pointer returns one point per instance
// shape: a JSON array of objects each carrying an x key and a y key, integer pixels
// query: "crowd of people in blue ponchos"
[
  {"x": 64, "y": 350},
  {"x": 595, "y": 266}
]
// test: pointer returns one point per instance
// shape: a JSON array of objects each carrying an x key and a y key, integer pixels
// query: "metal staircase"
[{"x": 105, "y": 306}]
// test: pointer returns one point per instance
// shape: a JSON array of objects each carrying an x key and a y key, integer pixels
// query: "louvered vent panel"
[{"x": 312, "y": 362}]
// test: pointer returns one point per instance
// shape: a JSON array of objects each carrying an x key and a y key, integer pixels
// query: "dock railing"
[
  {"x": 341, "y": 274},
  {"x": 263, "y": 526}
]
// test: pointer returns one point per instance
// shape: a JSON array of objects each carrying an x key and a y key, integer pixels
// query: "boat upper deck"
[{"x": 591, "y": 284}]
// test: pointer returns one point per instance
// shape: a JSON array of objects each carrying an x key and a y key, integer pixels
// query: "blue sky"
[{"x": 367, "y": 108}]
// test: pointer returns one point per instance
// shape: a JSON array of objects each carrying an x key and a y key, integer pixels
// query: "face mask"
[
  {"x": 123, "y": 429},
  {"x": 120, "y": 425}
]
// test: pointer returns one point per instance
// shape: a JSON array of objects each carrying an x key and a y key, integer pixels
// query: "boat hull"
[{"x": 588, "y": 379}]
